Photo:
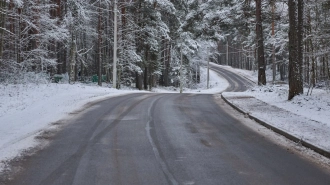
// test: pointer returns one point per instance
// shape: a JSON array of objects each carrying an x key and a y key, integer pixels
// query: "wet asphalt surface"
[{"x": 154, "y": 139}]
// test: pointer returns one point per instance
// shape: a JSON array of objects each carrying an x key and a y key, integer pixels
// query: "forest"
[{"x": 148, "y": 43}]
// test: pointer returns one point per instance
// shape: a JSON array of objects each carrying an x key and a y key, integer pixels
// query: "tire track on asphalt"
[
  {"x": 240, "y": 84},
  {"x": 152, "y": 137},
  {"x": 70, "y": 165}
]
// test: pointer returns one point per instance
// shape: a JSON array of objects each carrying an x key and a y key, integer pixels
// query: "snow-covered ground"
[
  {"x": 26, "y": 110},
  {"x": 308, "y": 117},
  {"x": 315, "y": 107}
]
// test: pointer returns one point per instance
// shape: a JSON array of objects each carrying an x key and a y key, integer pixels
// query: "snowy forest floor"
[{"x": 26, "y": 110}]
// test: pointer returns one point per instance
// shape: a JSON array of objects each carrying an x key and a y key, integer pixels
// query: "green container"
[
  {"x": 95, "y": 78},
  {"x": 57, "y": 79},
  {"x": 104, "y": 78}
]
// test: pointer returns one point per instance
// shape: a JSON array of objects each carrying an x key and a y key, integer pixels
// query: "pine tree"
[
  {"x": 260, "y": 46},
  {"x": 295, "y": 73}
]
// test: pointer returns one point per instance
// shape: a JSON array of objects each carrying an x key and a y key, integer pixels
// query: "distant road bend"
[{"x": 170, "y": 139}]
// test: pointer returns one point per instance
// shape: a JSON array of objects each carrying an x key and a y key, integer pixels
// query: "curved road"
[
  {"x": 236, "y": 83},
  {"x": 155, "y": 139}
]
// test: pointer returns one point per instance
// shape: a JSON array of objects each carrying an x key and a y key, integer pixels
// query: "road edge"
[{"x": 279, "y": 131}]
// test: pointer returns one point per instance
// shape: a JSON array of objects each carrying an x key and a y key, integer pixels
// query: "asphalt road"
[
  {"x": 155, "y": 139},
  {"x": 236, "y": 83}
]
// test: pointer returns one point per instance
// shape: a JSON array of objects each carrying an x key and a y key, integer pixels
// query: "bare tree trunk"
[
  {"x": 323, "y": 67},
  {"x": 11, "y": 21},
  {"x": 19, "y": 47},
  {"x": 328, "y": 69},
  {"x": 72, "y": 58},
  {"x": 260, "y": 44},
  {"x": 58, "y": 45},
  {"x": 273, "y": 36},
  {"x": 99, "y": 46},
  {"x": 300, "y": 46},
  {"x": 292, "y": 49},
  {"x": 64, "y": 52},
  {"x": 2, "y": 25},
  {"x": 313, "y": 68},
  {"x": 138, "y": 81},
  {"x": 295, "y": 81},
  {"x": 168, "y": 61},
  {"x": 307, "y": 50},
  {"x": 145, "y": 81}
]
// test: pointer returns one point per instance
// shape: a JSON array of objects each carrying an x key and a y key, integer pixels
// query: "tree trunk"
[
  {"x": 273, "y": 36},
  {"x": 58, "y": 46},
  {"x": 300, "y": 46},
  {"x": 168, "y": 61},
  {"x": 307, "y": 62},
  {"x": 72, "y": 59},
  {"x": 99, "y": 82},
  {"x": 282, "y": 72},
  {"x": 64, "y": 51},
  {"x": 19, "y": 47},
  {"x": 260, "y": 45},
  {"x": 295, "y": 82},
  {"x": 138, "y": 81},
  {"x": 2, "y": 25},
  {"x": 328, "y": 69},
  {"x": 145, "y": 81},
  {"x": 313, "y": 70}
]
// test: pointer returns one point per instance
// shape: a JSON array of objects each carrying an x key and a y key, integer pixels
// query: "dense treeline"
[
  {"x": 76, "y": 37},
  {"x": 295, "y": 34}
]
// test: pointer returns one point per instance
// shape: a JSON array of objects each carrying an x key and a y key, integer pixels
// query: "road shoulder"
[{"x": 294, "y": 127}]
